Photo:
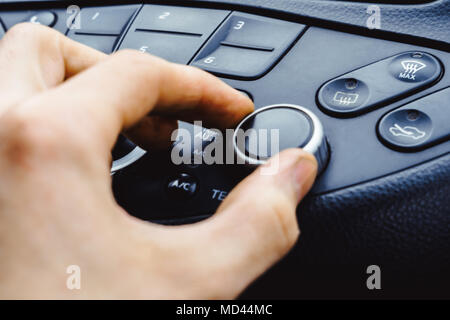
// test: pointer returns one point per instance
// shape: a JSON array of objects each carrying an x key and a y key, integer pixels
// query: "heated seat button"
[
  {"x": 418, "y": 124},
  {"x": 182, "y": 187},
  {"x": 413, "y": 67}
]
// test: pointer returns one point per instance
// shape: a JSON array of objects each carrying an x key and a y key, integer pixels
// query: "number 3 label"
[{"x": 239, "y": 25}]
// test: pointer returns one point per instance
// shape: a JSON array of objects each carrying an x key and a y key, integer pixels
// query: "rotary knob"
[{"x": 274, "y": 128}]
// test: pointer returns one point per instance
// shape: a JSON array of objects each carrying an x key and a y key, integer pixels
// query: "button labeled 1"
[{"x": 182, "y": 187}]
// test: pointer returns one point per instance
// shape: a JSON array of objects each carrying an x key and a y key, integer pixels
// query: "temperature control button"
[
  {"x": 272, "y": 129},
  {"x": 247, "y": 46}
]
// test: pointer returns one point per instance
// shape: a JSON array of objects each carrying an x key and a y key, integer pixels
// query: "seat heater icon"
[
  {"x": 410, "y": 68},
  {"x": 345, "y": 98},
  {"x": 408, "y": 131}
]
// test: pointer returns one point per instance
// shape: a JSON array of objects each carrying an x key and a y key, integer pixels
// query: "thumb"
[{"x": 256, "y": 225}]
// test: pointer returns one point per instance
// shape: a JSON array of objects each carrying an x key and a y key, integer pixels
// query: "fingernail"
[
  {"x": 305, "y": 173},
  {"x": 300, "y": 169}
]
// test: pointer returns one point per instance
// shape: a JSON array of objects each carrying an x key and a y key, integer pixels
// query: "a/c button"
[{"x": 182, "y": 187}]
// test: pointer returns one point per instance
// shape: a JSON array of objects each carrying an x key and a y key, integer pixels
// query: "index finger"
[{"x": 117, "y": 93}]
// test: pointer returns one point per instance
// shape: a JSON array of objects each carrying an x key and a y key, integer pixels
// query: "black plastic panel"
[
  {"x": 173, "y": 33},
  {"x": 379, "y": 83},
  {"x": 418, "y": 124},
  {"x": 247, "y": 46}
]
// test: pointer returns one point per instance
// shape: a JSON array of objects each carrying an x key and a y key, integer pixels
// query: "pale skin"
[{"x": 62, "y": 107}]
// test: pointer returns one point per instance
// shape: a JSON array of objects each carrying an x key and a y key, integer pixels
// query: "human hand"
[{"x": 62, "y": 107}]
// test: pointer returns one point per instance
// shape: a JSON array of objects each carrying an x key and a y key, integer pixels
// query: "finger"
[
  {"x": 35, "y": 58},
  {"x": 117, "y": 93},
  {"x": 256, "y": 225}
]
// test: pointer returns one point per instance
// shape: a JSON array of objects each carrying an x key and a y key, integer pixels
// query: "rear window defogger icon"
[{"x": 345, "y": 98}]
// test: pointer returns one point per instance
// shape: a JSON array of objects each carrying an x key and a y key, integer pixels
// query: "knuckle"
[{"x": 29, "y": 135}]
